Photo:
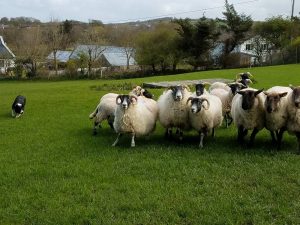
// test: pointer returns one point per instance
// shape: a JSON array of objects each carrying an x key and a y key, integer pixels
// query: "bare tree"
[{"x": 94, "y": 39}]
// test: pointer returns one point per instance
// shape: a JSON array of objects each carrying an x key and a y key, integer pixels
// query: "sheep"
[
  {"x": 107, "y": 106},
  {"x": 293, "y": 108},
  {"x": 173, "y": 111},
  {"x": 247, "y": 111},
  {"x": 135, "y": 115},
  {"x": 104, "y": 111},
  {"x": 206, "y": 119},
  {"x": 245, "y": 78},
  {"x": 219, "y": 85},
  {"x": 200, "y": 89},
  {"x": 139, "y": 91},
  {"x": 226, "y": 99},
  {"x": 18, "y": 106},
  {"x": 276, "y": 114}
]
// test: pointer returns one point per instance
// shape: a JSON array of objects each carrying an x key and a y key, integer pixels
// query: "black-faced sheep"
[
  {"x": 247, "y": 111},
  {"x": 18, "y": 106},
  {"x": 173, "y": 111},
  {"x": 205, "y": 114},
  {"x": 134, "y": 115}
]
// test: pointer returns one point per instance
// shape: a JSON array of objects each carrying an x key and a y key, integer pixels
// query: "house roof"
[
  {"x": 61, "y": 56},
  {"x": 5, "y": 52},
  {"x": 115, "y": 56}
]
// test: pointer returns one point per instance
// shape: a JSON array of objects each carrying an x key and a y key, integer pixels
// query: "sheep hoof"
[
  {"x": 132, "y": 144},
  {"x": 200, "y": 146}
]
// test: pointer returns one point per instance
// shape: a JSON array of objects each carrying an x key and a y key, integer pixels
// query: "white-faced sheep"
[
  {"x": 276, "y": 114},
  {"x": 134, "y": 115},
  {"x": 293, "y": 108},
  {"x": 173, "y": 111},
  {"x": 18, "y": 106},
  {"x": 226, "y": 98},
  {"x": 205, "y": 114},
  {"x": 247, "y": 111}
]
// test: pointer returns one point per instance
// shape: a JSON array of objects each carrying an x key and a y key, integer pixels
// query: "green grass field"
[{"x": 53, "y": 171}]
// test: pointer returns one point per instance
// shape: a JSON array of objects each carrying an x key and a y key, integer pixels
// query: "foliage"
[
  {"x": 196, "y": 40},
  {"x": 53, "y": 171},
  {"x": 157, "y": 47},
  {"x": 234, "y": 30}
]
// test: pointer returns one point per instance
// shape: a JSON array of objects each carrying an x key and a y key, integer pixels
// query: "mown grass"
[{"x": 53, "y": 171}]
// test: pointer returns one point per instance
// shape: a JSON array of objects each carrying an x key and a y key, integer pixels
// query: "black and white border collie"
[{"x": 18, "y": 106}]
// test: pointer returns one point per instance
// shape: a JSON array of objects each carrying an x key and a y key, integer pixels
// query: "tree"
[
  {"x": 55, "y": 40},
  {"x": 276, "y": 31},
  {"x": 94, "y": 38},
  {"x": 157, "y": 47},
  {"x": 234, "y": 30},
  {"x": 196, "y": 40}
]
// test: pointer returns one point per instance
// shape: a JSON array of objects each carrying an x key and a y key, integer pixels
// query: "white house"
[{"x": 6, "y": 57}]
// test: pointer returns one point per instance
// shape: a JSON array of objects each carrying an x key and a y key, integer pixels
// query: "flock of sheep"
[{"x": 136, "y": 113}]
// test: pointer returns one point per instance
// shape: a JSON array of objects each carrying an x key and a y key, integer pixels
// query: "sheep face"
[
  {"x": 200, "y": 89},
  {"x": 248, "y": 98},
  {"x": 273, "y": 101},
  {"x": 125, "y": 100},
  {"x": 235, "y": 87},
  {"x": 177, "y": 92},
  {"x": 197, "y": 104},
  {"x": 147, "y": 94},
  {"x": 296, "y": 96},
  {"x": 18, "y": 108},
  {"x": 245, "y": 76}
]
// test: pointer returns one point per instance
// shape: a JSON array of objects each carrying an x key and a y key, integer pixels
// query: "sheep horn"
[
  {"x": 187, "y": 87},
  {"x": 206, "y": 83},
  {"x": 117, "y": 100},
  {"x": 133, "y": 97},
  {"x": 250, "y": 74},
  {"x": 291, "y": 86},
  {"x": 189, "y": 99},
  {"x": 208, "y": 105}
]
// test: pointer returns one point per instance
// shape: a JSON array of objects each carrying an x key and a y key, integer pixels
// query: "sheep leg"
[
  {"x": 226, "y": 120},
  {"x": 213, "y": 133},
  {"x": 273, "y": 137},
  {"x": 168, "y": 133},
  {"x": 132, "y": 140},
  {"x": 117, "y": 140},
  {"x": 230, "y": 120},
  {"x": 201, "y": 135},
  {"x": 95, "y": 128},
  {"x": 180, "y": 135},
  {"x": 242, "y": 132},
  {"x": 279, "y": 137},
  {"x": 252, "y": 137},
  {"x": 298, "y": 138}
]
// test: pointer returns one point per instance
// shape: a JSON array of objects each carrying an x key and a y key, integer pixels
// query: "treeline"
[{"x": 157, "y": 46}]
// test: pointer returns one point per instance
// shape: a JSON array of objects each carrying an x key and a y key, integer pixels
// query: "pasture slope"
[{"x": 53, "y": 171}]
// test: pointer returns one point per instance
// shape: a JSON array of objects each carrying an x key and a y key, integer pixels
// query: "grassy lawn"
[{"x": 53, "y": 171}]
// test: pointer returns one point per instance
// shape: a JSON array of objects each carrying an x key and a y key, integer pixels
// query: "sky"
[{"x": 115, "y": 11}]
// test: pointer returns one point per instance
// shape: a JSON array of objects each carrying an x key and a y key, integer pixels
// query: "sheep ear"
[
  {"x": 118, "y": 99},
  {"x": 258, "y": 92},
  {"x": 206, "y": 84},
  {"x": 291, "y": 86},
  {"x": 241, "y": 92},
  {"x": 282, "y": 94},
  {"x": 186, "y": 87},
  {"x": 266, "y": 93}
]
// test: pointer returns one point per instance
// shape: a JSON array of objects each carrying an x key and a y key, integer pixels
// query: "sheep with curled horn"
[
  {"x": 276, "y": 112},
  {"x": 134, "y": 115},
  {"x": 173, "y": 111},
  {"x": 205, "y": 114},
  {"x": 244, "y": 78}
]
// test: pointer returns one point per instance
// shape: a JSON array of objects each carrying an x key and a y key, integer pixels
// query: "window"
[
  {"x": 249, "y": 47},
  {"x": 264, "y": 46}
]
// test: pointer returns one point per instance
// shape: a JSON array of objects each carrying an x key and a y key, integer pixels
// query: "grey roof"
[
  {"x": 61, "y": 56},
  {"x": 115, "y": 56},
  {"x": 5, "y": 52}
]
